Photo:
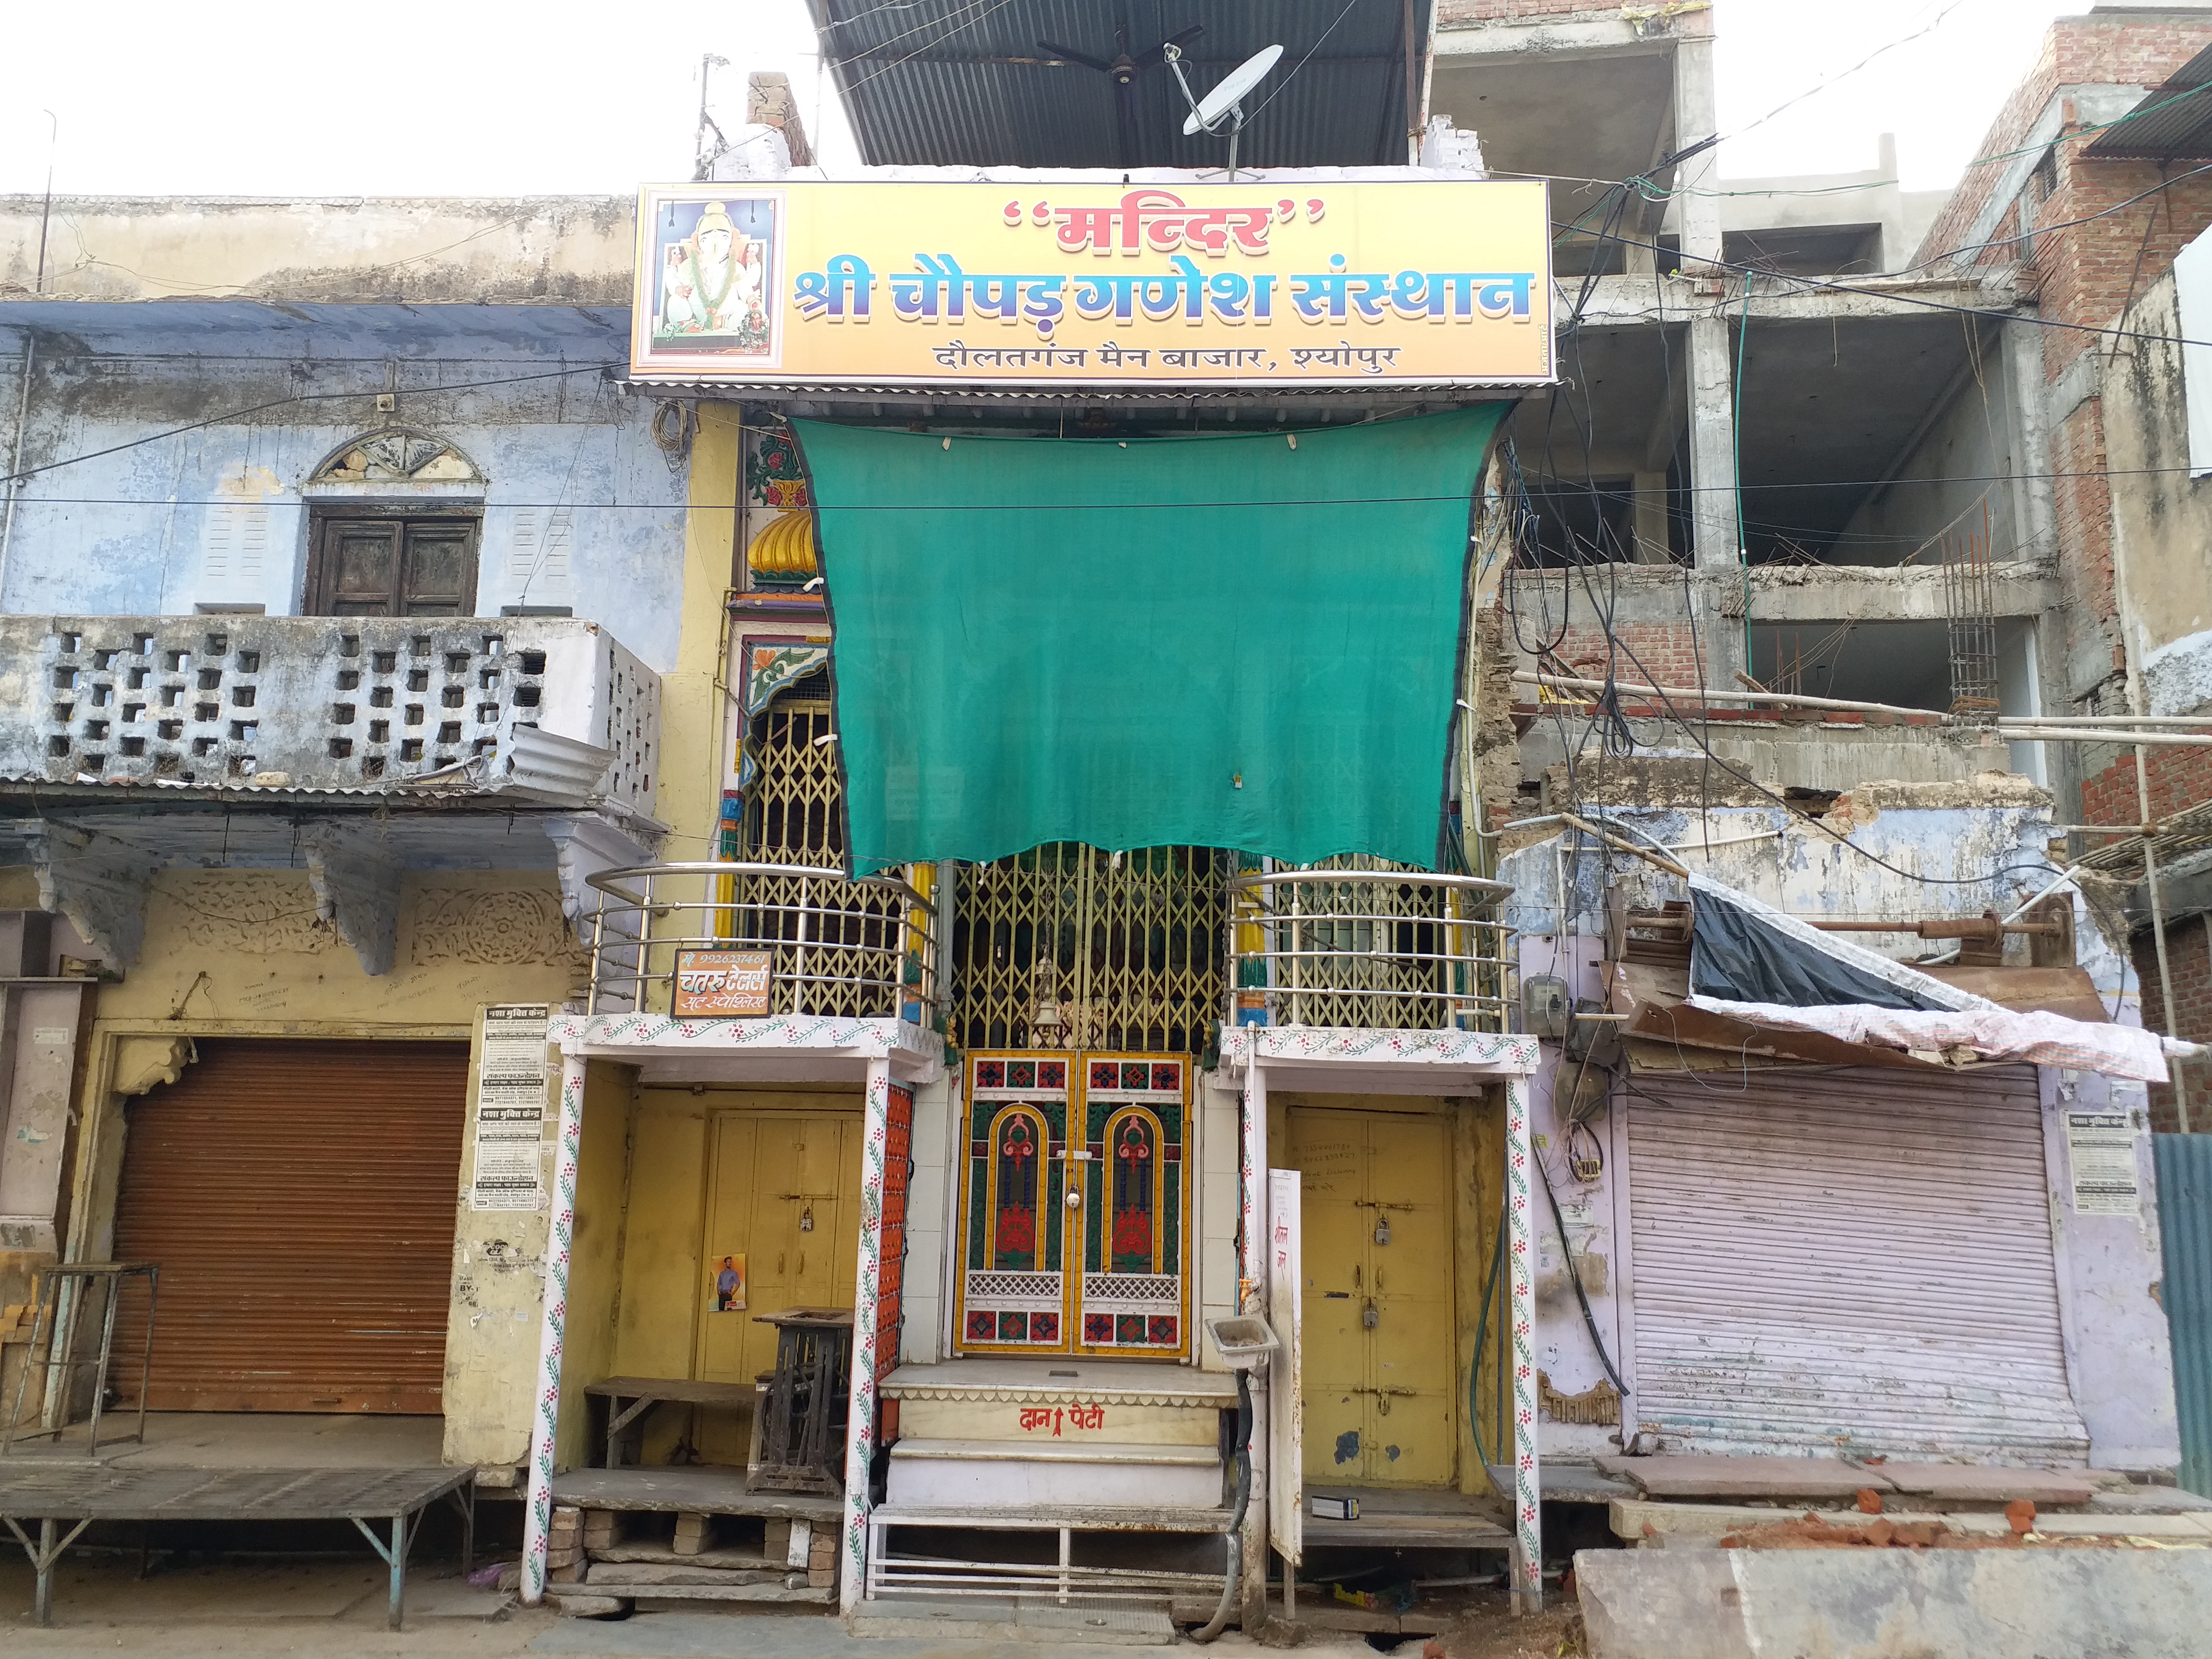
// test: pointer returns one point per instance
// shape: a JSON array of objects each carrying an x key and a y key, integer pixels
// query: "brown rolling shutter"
[{"x": 300, "y": 1198}]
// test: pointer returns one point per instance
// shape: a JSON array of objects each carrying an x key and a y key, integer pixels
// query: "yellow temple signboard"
[{"x": 1419, "y": 283}]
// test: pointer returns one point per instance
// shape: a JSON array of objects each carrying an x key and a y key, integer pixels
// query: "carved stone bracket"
[
  {"x": 99, "y": 883},
  {"x": 143, "y": 1062},
  {"x": 583, "y": 846},
  {"x": 356, "y": 876}
]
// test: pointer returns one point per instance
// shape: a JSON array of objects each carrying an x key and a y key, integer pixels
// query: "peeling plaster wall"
[
  {"x": 548, "y": 250},
  {"x": 1596, "y": 1215},
  {"x": 244, "y": 947},
  {"x": 2162, "y": 514},
  {"x": 579, "y": 507},
  {"x": 2119, "y": 1352}
]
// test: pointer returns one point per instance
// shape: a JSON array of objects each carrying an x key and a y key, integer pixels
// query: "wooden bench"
[
  {"x": 52, "y": 1494},
  {"x": 643, "y": 1394}
]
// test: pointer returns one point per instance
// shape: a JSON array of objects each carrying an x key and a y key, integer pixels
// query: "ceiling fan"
[{"x": 1123, "y": 70}]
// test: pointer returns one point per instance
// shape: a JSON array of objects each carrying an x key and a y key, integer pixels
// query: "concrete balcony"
[
  {"x": 358, "y": 749},
  {"x": 546, "y": 708}
]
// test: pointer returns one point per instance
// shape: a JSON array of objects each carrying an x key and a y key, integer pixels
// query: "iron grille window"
[
  {"x": 1067, "y": 946},
  {"x": 794, "y": 815}
]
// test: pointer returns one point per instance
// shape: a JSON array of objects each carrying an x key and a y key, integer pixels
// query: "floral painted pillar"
[
  {"x": 546, "y": 1414},
  {"x": 1527, "y": 1563},
  {"x": 1252, "y": 1299},
  {"x": 876, "y": 1153}
]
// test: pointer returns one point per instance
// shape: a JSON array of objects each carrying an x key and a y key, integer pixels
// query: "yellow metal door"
[
  {"x": 1379, "y": 1363},
  {"x": 783, "y": 1194},
  {"x": 1408, "y": 1227}
]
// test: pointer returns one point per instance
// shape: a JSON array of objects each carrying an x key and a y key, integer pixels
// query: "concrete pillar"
[
  {"x": 1648, "y": 517},
  {"x": 1713, "y": 511}
]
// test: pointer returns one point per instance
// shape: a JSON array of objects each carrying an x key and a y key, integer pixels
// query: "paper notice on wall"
[
  {"x": 2100, "y": 1148},
  {"x": 510, "y": 1163}
]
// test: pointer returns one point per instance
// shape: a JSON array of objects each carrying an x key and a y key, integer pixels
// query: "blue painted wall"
[{"x": 135, "y": 522}]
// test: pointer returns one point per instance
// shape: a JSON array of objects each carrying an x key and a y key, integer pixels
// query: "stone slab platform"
[
  {"x": 1702, "y": 1526},
  {"x": 1744, "y": 1477},
  {"x": 1978, "y": 1483},
  {"x": 1894, "y": 1604}
]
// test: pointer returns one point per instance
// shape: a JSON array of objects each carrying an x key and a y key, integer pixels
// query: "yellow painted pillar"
[{"x": 691, "y": 700}]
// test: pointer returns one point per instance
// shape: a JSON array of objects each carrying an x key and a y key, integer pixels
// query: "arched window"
[
  {"x": 398, "y": 454},
  {"x": 396, "y": 518}
]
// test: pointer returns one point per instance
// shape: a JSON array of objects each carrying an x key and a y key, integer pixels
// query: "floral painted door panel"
[
  {"x": 1013, "y": 1297},
  {"x": 1135, "y": 1214},
  {"x": 1075, "y": 1243}
]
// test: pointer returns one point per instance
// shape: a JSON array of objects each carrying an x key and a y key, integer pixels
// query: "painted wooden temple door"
[{"x": 1076, "y": 1206}]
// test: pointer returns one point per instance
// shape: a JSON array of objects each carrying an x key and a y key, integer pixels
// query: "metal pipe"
[
  {"x": 1962, "y": 927},
  {"x": 2044, "y": 728},
  {"x": 1233, "y": 1577},
  {"x": 2134, "y": 657},
  {"x": 2061, "y": 734}
]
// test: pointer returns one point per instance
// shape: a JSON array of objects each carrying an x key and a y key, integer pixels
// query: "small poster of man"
[
  {"x": 730, "y": 1285},
  {"x": 716, "y": 267}
]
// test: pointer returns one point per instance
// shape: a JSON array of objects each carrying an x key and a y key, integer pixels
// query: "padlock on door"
[{"x": 1369, "y": 1315}]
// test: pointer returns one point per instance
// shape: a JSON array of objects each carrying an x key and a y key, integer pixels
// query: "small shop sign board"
[{"x": 722, "y": 984}]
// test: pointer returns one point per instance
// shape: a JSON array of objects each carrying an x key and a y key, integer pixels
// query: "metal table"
[
  {"x": 66, "y": 1365},
  {"x": 52, "y": 1495}
]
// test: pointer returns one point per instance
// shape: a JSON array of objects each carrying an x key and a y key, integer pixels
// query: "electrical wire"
[
  {"x": 20, "y": 475},
  {"x": 1924, "y": 304},
  {"x": 1929, "y": 27},
  {"x": 1302, "y": 62},
  {"x": 1575, "y": 1277}
]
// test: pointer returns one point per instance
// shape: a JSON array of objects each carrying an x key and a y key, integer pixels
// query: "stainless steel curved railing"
[
  {"x": 1390, "y": 949},
  {"x": 834, "y": 944}
]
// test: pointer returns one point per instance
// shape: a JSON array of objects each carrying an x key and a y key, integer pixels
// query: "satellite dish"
[
  {"x": 1225, "y": 102},
  {"x": 1205, "y": 115}
]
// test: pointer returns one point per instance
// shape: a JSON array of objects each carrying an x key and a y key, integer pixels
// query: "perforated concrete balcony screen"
[{"x": 326, "y": 702}]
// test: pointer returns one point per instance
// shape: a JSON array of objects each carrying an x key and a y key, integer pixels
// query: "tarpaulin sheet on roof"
[
  {"x": 1753, "y": 963},
  {"x": 2110, "y": 1050},
  {"x": 1222, "y": 640},
  {"x": 1739, "y": 952}
]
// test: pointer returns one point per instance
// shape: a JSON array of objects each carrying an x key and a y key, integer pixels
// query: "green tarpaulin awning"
[{"x": 1226, "y": 640}]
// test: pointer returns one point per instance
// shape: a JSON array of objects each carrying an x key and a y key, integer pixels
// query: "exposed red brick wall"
[
  {"x": 2188, "y": 953},
  {"x": 1668, "y": 650},
  {"x": 2179, "y": 777},
  {"x": 2090, "y": 273},
  {"x": 2077, "y": 52},
  {"x": 2083, "y": 499}
]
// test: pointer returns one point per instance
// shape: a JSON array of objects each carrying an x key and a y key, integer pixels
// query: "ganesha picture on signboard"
[{"x": 711, "y": 266}]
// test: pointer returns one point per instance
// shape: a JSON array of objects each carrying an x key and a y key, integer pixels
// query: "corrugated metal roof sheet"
[
  {"x": 966, "y": 81},
  {"x": 2165, "y": 125}
]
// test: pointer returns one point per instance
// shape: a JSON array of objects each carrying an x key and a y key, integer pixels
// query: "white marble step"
[{"x": 956, "y": 1474}]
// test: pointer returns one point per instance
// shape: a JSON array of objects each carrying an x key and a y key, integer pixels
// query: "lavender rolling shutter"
[{"x": 1855, "y": 1261}]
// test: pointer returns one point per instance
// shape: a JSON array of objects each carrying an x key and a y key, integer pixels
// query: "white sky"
[{"x": 502, "y": 98}]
